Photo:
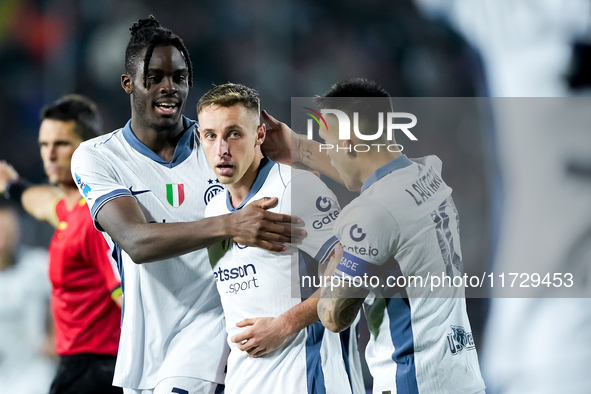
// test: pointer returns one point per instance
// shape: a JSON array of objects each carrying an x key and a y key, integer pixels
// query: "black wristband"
[{"x": 15, "y": 189}]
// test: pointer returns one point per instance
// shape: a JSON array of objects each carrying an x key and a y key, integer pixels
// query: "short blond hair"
[{"x": 230, "y": 94}]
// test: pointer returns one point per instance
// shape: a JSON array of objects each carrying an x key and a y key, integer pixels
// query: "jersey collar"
[
  {"x": 182, "y": 151},
  {"x": 398, "y": 163},
  {"x": 264, "y": 169}
]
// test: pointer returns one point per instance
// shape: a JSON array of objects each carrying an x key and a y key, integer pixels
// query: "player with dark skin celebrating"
[
  {"x": 147, "y": 185},
  {"x": 156, "y": 120}
]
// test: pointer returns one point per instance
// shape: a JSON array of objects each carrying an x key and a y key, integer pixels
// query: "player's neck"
[
  {"x": 163, "y": 142},
  {"x": 371, "y": 163},
  {"x": 70, "y": 194},
  {"x": 240, "y": 189}
]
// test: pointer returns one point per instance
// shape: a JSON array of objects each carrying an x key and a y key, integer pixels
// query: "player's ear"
[
  {"x": 127, "y": 83},
  {"x": 261, "y": 133}
]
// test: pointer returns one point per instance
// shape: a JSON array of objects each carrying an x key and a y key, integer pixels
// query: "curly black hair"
[{"x": 149, "y": 33}]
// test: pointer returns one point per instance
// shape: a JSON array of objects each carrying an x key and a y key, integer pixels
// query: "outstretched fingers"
[
  {"x": 270, "y": 120},
  {"x": 255, "y": 226}
]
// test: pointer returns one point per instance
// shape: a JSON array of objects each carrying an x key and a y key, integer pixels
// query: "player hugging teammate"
[
  {"x": 277, "y": 342},
  {"x": 150, "y": 188}
]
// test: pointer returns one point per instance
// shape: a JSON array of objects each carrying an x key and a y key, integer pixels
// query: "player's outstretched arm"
[
  {"x": 144, "y": 242},
  {"x": 38, "y": 201},
  {"x": 266, "y": 334},
  {"x": 285, "y": 146},
  {"x": 339, "y": 305},
  {"x": 7, "y": 174}
]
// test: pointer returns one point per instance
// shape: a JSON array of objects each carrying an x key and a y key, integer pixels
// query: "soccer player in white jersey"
[
  {"x": 147, "y": 186},
  {"x": 290, "y": 351},
  {"x": 404, "y": 223}
]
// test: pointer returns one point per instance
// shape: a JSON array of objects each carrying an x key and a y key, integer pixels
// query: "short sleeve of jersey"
[
  {"x": 96, "y": 179},
  {"x": 368, "y": 234},
  {"x": 313, "y": 202},
  {"x": 97, "y": 250}
]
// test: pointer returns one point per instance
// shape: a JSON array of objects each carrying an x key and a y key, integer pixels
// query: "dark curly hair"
[{"x": 148, "y": 33}]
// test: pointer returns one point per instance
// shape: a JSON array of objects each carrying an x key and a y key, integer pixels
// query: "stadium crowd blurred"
[{"x": 285, "y": 49}]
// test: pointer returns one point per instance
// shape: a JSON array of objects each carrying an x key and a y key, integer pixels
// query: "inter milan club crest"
[
  {"x": 175, "y": 194},
  {"x": 211, "y": 191}
]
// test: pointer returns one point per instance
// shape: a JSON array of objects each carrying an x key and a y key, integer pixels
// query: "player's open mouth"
[
  {"x": 224, "y": 169},
  {"x": 166, "y": 108}
]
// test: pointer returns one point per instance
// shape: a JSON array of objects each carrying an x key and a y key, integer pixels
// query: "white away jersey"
[
  {"x": 405, "y": 224},
  {"x": 258, "y": 283},
  {"x": 172, "y": 322}
]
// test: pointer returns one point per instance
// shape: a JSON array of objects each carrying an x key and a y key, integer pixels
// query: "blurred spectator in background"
[
  {"x": 540, "y": 167},
  {"x": 86, "y": 295},
  {"x": 50, "y": 48},
  {"x": 24, "y": 307}
]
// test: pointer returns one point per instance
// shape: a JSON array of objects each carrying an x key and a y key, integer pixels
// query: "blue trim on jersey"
[
  {"x": 220, "y": 389},
  {"x": 355, "y": 266},
  {"x": 102, "y": 200},
  {"x": 314, "y": 373},
  {"x": 264, "y": 169},
  {"x": 182, "y": 151},
  {"x": 116, "y": 254},
  {"x": 108, "y": 139},
  {"x": 396, "y": 164},
  {"x": 345, "y": 337},
  {"x": 496, "y": 178},
  {"x": 307, "y": 267},
  {"x": 403, "y": 341},
  {"x": 281, "y": 176},
  {"x": 326, "y": 249}
]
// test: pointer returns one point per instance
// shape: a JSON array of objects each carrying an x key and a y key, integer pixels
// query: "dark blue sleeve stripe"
[
  {"x": 102, "y": 200},
  {"x": 402, "y": 336},
  {"x": 314, "y": 372},
  {"x": 116, "y": 254},
  {"x": 326, "y": 250},
  {"x": 345, "y": 339},
  {"x": 355, "y": 266}
]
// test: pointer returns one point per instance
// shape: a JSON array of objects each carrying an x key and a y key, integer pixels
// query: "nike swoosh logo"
[{"x": 138, "y": 192}]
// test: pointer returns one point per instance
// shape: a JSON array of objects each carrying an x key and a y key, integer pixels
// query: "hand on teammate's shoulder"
[{"x": 255, "y": 226}]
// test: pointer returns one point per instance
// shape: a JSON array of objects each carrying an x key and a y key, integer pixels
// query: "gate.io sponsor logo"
[
  {"x": 356, "y": 233},
  {"x": 323, "y": 204}
]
